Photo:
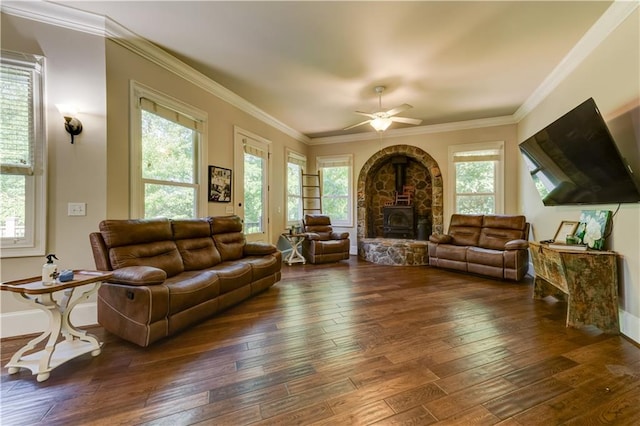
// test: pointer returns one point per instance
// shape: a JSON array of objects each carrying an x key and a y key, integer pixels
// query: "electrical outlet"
[
  {"x": 229, "y": 209},
  {"x": 77, "y": 209}
]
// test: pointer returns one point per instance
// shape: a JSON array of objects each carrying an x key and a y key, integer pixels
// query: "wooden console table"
[
  {"x": 76, "y": 342},
  {"x": 586, "y": 280}
]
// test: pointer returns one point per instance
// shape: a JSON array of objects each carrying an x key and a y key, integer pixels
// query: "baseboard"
[
  {"x": 630, "y": 326},
  {"x": 35, "y": 321}
]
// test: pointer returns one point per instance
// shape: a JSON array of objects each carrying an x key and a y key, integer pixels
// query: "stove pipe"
[{"x": 400, "y": 165}]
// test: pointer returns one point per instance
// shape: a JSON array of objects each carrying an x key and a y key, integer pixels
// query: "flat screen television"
[{"x": 574, "y": 160}]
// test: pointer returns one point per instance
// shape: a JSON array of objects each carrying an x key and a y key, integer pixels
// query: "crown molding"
[
  {"x": 73, "y": 19},
  {"x": 604, "y": 26},
  {"x": 55, "y": 14},
  {"x": 67, "y": 17},
  {"x": 417, "y": 130}
]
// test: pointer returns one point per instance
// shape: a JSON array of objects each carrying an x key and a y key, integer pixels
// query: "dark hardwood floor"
[{"x": 350, "y": 343}]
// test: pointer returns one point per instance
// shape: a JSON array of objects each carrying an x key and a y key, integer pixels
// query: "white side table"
[
  {"x": 76, "y": 342},
  {"x": 295, "y": 256}
]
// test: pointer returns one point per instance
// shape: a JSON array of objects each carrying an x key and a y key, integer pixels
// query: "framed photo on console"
[
  {"x": 567, "y": 227},
  {"x": 219, "y": 184}
]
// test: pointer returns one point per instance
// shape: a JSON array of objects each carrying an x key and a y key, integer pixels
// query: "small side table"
[
  {"x": 295, "y": 240},
  {"x": 76, "y": 342}
]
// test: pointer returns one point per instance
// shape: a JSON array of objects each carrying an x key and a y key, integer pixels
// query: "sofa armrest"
[
  {"x": 138, "y": 275},
  {"x": 516, "y": 245},
  {"x": 312, "y": 236},
  {"x": 440, "y": 238},
  {"x": 254, "y": 248},
  {"x": 339, "y": 235}
]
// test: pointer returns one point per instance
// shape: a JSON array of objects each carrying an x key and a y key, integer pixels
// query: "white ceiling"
[{"x": 312, "y": 64}]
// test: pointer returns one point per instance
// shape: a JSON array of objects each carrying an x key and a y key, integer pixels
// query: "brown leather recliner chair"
[{"x": 321, "y": 244}]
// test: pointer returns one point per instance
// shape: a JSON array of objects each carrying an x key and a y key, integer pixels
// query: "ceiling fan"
[{"x": 381, "y": 119}]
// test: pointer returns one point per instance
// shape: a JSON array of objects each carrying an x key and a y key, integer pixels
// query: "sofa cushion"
[
  {"x": 318, "y": 226},
  {"x": 263, "y": 266},
  {"x": 484, "y": 256},
  {"x": 224, "y": 224},
  {"x": 194, "y": 242},
  {"x": 504, "y": 221},
  {"x": 233, "y": 275},
  {"x": 184, "y": 229},
  {"x": 160, "y": 254},
  {"x": 465, "y": 229},
  {"x": 118, "y": 233},
  {"x": 255, "y": 248},
  {"x": 191, "y": 288},
  {"x": 230, "y": 245},
  {"x": 451, "y": 252},
  {"x": 198, "y": 253},
  {"x": 498, "y": 230}
]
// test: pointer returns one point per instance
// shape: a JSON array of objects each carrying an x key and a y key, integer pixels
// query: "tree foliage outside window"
[
  {"x": 253, "y": 193},
  {"x": 335, "y": 193},
  {"x": 294, "y": 192},
  {"x": 475, "y": 187},
  {"x": 168, "y": 168}
]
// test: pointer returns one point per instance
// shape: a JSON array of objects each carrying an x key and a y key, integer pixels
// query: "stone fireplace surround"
[{"x": 369, "y": 202}]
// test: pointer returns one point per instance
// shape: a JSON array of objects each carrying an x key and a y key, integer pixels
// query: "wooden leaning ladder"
[{"x": 311, "y": 194}]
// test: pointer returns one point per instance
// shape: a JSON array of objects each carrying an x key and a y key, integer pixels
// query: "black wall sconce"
[{"x": 71, "y": 124}]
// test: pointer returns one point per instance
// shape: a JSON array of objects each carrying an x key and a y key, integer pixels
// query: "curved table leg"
[{"x": 76, "y": 342}]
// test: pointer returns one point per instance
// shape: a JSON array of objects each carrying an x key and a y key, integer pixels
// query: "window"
[
  {"x": 256, "y": 187},
  {"x": 22, "y": 153},
  {"x": 336, "y": 175},
  {"x": 296, "y": 164},
  {"x": 168, "y": 179},
  {"x": 477, "y": 178}
]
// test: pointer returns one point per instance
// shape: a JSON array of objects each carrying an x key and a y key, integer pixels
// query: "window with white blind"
[
  {"x": 296, "y": 164},
  {"x": 168, "y": 179},
  {"x": 22, "y": 155},
  {"x": 477, "y": 178},
  {"x": 337, "y": 178}
]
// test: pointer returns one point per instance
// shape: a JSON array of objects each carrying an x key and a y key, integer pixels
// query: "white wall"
[
  {"x": 611, "y": 75},
  {"x": 75, "y": 73}
]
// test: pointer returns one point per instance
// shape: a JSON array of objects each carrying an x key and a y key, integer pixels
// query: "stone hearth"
[
  {"x": 390, "y": 251},
  {"x": 375, "y": 188}
]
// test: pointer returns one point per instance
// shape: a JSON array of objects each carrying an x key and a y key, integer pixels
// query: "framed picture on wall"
[{"x": 219, "y": 184}]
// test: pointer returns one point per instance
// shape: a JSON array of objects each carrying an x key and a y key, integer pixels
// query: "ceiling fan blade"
[
  {"x": 356, "y": 125},
  {"x": 398, "y": 109},
  {"x": 406, "y": 120},
  {"x": 366, "y": 114}
]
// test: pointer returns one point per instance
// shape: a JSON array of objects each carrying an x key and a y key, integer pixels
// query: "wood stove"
[{"x": 399, "y": 222}]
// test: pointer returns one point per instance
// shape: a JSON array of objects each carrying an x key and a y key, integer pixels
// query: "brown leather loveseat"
[
  {"x": 492, "y": 245},
  {"x": 171, "y": 274}
]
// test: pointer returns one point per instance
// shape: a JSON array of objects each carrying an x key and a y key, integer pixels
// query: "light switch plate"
[{"x": 77, "y": 209}]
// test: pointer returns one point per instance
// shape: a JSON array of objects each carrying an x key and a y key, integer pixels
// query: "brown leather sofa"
[
  {"x": 171, "y": 274},
  {"x": 322, "y": 244},
  {"x": 492, "y": 245}
]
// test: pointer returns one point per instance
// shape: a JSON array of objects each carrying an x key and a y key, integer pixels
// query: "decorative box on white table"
[{"x": 76, "y": 342}]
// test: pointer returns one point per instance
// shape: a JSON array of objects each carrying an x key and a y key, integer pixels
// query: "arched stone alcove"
[{"x": 373, "y": 166}]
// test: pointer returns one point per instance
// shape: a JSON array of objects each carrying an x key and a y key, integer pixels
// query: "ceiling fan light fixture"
[{"x": 380, "y": 124}]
